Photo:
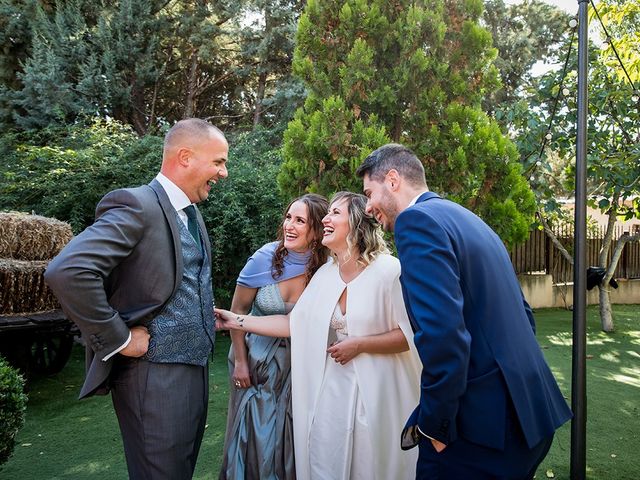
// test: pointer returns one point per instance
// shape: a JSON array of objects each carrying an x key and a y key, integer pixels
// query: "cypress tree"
[{"x": 414, "y": 72}]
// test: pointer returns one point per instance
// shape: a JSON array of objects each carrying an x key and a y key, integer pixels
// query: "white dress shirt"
[{"x": 177, "y": 197}]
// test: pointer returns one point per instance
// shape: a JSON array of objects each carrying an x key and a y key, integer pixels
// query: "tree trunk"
[
  {"x": 608, "y": 236},
  {"x": 554, "y": 239},
  {"x": 154, "y": 99},
  {"x": 191, "y": 86},
  {"x": 606, "y": 317},
  {"x": 138, "y": 119},
  {"x": 257, "y": 113},
  {"x": 263, "y": 65},
  {"x": 396, "y": 131}
]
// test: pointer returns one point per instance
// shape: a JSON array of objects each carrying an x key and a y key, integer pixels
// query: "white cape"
[{"x": 388, "y": 383}]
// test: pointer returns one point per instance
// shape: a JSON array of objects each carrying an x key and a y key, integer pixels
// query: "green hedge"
[
  {"x": 13, "y": 403},
  {"x": 63, "y": 172}
]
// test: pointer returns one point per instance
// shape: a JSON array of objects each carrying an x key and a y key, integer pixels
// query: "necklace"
[{"x": 348, "y": 274}]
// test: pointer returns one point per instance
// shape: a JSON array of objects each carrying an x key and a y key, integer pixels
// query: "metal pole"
[{"x": 579, "y": 374}]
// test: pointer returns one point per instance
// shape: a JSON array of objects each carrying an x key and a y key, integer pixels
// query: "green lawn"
[
  {"x": 64, "y": 438},
  {"x": 613, "y": 392}
]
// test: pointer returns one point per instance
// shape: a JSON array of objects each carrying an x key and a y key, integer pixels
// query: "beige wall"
[{"x": 541, "y": 293}]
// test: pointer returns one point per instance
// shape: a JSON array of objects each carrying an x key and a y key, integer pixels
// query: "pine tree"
[
  {"x": 200, "y": 62},
  {"x": 143, "y": 62},
  {"x": 15, "y": 38},
  {"x": 267, "y": 53},
  {"x": 125, "y": 62},
  {"x": 413, "y": 72},
  {"x": 48, "y": 92}
]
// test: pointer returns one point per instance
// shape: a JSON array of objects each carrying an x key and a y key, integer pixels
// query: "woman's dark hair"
[{"x": 317, "y": 207}]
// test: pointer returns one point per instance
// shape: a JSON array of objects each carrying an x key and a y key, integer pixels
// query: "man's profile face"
[
  {"x": 380, "y": 202},
  {"x": 207, "y": 165}
]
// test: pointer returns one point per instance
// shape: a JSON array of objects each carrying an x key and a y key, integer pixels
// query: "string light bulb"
[
  {"x": 548, "y": 136},
  {"x": 565, "y": 92},
  {"x": 573, "y": 22}
]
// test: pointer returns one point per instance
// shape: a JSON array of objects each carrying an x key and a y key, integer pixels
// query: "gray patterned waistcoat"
[{"x": 183, "y": 332}]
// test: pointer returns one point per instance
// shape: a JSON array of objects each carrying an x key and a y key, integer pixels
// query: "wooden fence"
[{"x": 539, "y": 255}]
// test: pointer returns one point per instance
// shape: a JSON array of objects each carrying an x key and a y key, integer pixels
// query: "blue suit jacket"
[{"x": 474, "y": 331}]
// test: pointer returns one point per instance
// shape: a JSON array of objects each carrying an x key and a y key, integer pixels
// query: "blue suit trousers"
[{"x": 465, "y": 460}]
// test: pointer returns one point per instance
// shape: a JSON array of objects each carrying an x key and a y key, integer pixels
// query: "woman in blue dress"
[{"x": 259, "y": 435}]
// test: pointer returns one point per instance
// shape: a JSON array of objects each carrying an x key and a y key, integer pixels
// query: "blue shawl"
[{"x": 258, "y": 271}]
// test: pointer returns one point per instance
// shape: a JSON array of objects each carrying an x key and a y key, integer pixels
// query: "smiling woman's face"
[
  {"x": 296, "y": 229},
  {"x": 336, "y": 226}
]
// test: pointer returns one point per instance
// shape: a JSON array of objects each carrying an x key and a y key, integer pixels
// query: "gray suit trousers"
[{"x": 161, "y": 409}]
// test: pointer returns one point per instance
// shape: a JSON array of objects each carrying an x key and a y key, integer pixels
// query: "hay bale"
[
  {"x": 32, "y": 237},
  {"x": 22, "y": 287}
]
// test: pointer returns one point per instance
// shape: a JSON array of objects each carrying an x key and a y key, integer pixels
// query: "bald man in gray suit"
[{"x": 138, "y": 285}]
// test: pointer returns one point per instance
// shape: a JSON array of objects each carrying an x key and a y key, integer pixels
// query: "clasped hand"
[{"x": 345, "y": 350}]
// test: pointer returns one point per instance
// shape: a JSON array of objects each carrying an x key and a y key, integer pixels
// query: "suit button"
[{"x": 444, "y": 427}]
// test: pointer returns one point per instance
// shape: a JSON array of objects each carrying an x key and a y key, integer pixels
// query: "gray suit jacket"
[{"x": 119, "y": 272}]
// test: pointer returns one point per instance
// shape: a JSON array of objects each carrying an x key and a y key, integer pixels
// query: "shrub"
[
  {"x": 63, "y": 172},
  {"x": 13, "y": 403},
  {"x": 243, "y": 211}
]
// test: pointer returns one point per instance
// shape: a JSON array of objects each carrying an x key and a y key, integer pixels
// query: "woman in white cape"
[{"x": 355, "y": 370}]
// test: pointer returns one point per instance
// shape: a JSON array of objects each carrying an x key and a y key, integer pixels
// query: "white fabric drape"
[{"x": 388, "y": 384}]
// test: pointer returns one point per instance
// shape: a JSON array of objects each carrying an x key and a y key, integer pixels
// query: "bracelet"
[{"x": 239, "y": 321}]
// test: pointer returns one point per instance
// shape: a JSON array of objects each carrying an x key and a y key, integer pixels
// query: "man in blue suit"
[{"x": 489, "y": 404}]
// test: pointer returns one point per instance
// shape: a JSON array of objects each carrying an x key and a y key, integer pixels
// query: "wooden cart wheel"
[{"x": 49, "y": 352}]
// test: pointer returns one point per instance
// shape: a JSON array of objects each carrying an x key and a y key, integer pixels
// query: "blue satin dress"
[{"x": 259, "y": 436}]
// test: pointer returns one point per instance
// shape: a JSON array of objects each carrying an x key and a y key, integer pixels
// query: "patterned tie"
[{"x": 192, "y": 224}]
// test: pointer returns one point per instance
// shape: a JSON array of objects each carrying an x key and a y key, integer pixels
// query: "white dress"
[
  {"x": 339, "y": 440},
  {"x": 347, "y": 419}
]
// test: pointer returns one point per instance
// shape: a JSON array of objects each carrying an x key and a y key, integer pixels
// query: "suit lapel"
[{"x": 170, "y": 216}]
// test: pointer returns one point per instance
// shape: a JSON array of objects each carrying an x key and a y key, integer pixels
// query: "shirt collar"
[
  {"x": 415, "y": 199},
  {"x": 177, "y": 197}
]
